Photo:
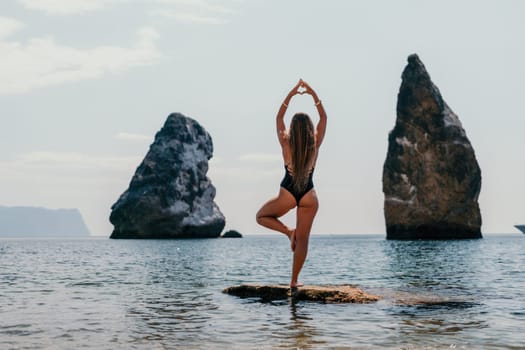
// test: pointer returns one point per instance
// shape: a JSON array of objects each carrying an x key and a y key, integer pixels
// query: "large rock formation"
[
  {"x": 170, "y": 196},
  {"x": 35, "y": 221},
  {"x": 431, "y": 178}
]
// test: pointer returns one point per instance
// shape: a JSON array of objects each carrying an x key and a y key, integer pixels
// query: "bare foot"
[{"x": 296, "y": 285}]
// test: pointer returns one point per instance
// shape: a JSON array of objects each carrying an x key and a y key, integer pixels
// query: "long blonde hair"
[{"x": 302, "y": 148}]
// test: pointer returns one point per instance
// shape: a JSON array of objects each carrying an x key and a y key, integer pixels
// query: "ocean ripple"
[{"x": 112, "y": 294}]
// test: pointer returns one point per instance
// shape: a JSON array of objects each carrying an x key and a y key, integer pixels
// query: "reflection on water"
[
  {"x": 300, "y": 331},
  {"x": 435, "y": 287},
  {"x": 105, "y": 294},
  {"x": 434, "y": 265}
]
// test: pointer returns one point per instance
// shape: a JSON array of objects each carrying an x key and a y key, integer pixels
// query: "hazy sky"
[{"x": 85, "y": 84}]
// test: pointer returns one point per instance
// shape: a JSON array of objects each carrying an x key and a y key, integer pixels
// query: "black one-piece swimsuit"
[{"x": 287, "y": 184}]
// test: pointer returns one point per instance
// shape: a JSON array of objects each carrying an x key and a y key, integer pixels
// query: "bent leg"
[
  {"x": 268, "y": 215},
  {"x": 305, "y": 216}
]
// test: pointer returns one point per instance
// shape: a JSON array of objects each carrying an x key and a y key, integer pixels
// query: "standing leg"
[
  {"x": 268, "y": 215},
  {"x": 305, "y": 216}
]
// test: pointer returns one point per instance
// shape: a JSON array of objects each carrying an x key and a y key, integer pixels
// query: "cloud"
[
  {"x": 188, "y": 17},
  {"x": 261, "y": 157},
  {"x": 43, "y": 62},
  {"x": 67, "y": 7},
  {"x": 70, "y": 160},
  {"x": 201, "y": 4},
  {"x": 9, "y": 26},
  {"x": 132, "y": 137},
  {"x": 189, "y": 11},
  {"x": 194, "y": 11}
]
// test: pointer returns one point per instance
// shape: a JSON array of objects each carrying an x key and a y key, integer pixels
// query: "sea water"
[{"x": 166, "y": 294}]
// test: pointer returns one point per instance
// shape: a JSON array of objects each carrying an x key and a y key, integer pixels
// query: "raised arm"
[
  {"x": 321, "y": 125},
  {"x": 281, "y": 127}
]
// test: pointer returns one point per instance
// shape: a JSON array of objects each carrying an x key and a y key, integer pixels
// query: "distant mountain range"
[{"x": 35, "y": 221}]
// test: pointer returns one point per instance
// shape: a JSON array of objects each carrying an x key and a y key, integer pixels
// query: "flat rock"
[{"x": 324, "y": 294}]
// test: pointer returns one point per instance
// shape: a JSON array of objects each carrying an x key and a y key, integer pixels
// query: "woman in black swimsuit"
[{"x": 300, "y": 146}]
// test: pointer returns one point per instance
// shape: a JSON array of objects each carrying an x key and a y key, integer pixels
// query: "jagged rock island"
[
  {"x": 431, "y": 178},
  {"x": 170, "y": 195}
]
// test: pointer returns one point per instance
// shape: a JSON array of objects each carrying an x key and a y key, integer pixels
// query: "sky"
[{"x": 86, "y": 84}]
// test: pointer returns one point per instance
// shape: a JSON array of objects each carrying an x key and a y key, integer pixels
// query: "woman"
[{"x": 300, "y": 146}]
